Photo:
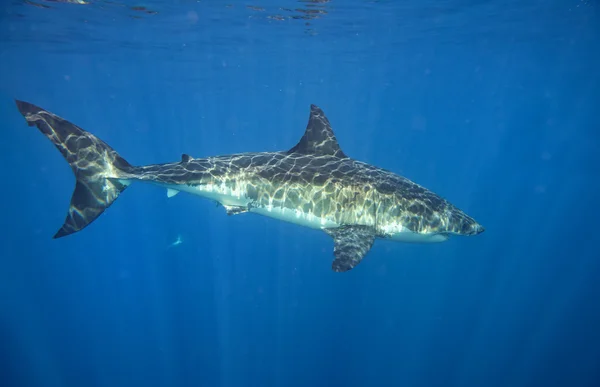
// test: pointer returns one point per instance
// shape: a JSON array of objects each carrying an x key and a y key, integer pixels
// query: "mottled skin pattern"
[
  {"x": 344, "y": 191},
  {"x": 322, "y": 181},
  {"x": 352, "y": 201},
  {"x": 351, "y": 242}
]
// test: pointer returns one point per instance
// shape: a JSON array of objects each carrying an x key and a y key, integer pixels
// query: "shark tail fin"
[{"x": 95, "y": 164}]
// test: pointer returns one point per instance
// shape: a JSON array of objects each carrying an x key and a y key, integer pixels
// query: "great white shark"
[{"x": 314, "y": 184}]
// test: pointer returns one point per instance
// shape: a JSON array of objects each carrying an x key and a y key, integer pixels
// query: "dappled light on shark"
[{"x": 314, "y": 184}]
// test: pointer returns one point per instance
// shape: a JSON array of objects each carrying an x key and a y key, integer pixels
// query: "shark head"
[
  {"x": 460, "y": 223},
  {"x": 471, "y": 228}
]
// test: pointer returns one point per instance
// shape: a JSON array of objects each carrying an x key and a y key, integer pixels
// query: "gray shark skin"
[{"x": 314, "y": 184}]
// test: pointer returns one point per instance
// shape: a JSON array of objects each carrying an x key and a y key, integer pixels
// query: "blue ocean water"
[{"x": 491, "y": 104}]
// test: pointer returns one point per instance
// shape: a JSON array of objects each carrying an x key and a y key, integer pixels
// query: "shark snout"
[
  {"x": 476, "y": 228},
  {"x": 470, "y": 227},
  {"x": 467, "y": 225}
]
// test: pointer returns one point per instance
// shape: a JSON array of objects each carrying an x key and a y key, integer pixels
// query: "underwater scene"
[{"x": 204, "y": 193}]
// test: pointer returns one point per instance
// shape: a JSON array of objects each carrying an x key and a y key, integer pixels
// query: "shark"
[{"x": 313, "y": 184}]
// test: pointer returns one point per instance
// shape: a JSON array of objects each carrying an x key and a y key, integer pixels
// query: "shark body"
[{"x": 314, "y": 184}]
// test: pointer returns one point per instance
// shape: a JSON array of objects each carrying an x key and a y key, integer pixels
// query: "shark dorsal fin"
[
  {"x": 185, "y": 158},
  {"x": 318, "y": 138}
]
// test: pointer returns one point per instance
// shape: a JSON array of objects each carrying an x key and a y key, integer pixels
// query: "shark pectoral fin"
[
  {"x": 351, "y": 244},
  {"x": 171, "y": 192},
  {"x": 234, "y": 210}
]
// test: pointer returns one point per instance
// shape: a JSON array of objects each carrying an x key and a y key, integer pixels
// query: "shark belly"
[
  {"x": 236, "y": 196},
  {"x": 295, "y": 216},
  {"x": 226, "y": 196},
  {"x": 414, "y": 237},
  {"x": 398, "y": 232}
]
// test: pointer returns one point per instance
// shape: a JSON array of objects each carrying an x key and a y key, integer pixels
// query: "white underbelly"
[
  {"x": 220, "y": 193},
  {"x": 413, "y": 237},
  {"x": 235, "y": 197},
  {"x": 294, "y": 216}
]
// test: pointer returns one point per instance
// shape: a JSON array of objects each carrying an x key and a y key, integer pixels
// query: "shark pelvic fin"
[
  {"x": 234, "y": 210},
  {"x": 96, "y": 166},
  {"x": 351, "y": 244},
  {"x": 318, "y": 138},
  {"x": 171, "y": 192}
]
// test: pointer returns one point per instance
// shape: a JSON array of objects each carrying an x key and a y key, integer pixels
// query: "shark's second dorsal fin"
[
  {"x": 318, "y": 138},
  {"x": 185, "y": 158}
]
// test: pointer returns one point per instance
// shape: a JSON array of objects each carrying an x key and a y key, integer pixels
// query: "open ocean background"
[{"x": 491, "y": 104}]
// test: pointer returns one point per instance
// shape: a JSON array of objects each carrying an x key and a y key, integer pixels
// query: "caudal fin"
[{"x": 93, "y": 161}]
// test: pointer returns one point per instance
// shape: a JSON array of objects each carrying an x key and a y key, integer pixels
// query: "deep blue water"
[{"x": 493, "y": 105}]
